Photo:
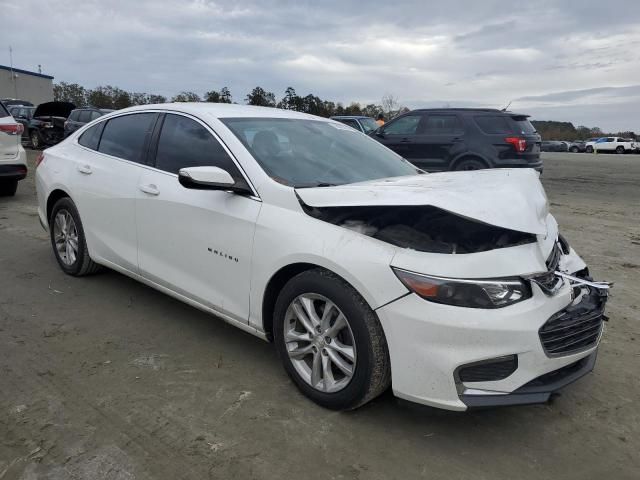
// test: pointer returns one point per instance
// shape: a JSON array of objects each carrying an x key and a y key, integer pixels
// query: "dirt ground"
[{"x": 104, "y": 378}]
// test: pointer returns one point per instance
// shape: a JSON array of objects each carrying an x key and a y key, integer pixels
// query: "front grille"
[
  {"x": 490, "y": 370},
  {"x": 577, "y": 327}
]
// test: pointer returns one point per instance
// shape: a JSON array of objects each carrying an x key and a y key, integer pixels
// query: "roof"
[
  {"x": 223, "y": 110},
  {"x": 26, "y": 72},
  {"x": 467, "y": 109}
]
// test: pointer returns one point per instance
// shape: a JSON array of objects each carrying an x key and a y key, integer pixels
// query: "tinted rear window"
[
  {"x": 493, "y": 124},
  {"x": 91, "y": 137},
  {"x": 523, "y": 125},
  {"x": 3, "y": 111},
  {"x": 125, "y": 137}
]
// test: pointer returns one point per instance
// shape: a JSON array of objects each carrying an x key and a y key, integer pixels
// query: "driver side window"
[{"x": 407, "y": 125}]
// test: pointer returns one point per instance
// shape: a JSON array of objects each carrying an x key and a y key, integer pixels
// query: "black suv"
[
  {"x": 82, "y": 116},
  {"x": 463, "y": 139}
]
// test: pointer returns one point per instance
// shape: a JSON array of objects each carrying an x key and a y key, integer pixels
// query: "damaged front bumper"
[{"x": 514, "y": 355}]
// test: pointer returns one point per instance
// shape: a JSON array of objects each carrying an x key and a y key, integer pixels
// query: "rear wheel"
[
  {"x": 574, "y": 150},
  {"x": 589, "y": 149},
  {"x": 470, "y": 164},
  {"x": 8, "y": 188},
  {"x": 330, "y": 341},
  {"x": 620, "y": 150},
  {"x": 68, "y": 240}
]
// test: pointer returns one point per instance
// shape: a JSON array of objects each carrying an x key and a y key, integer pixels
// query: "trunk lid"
[
  {"x": 508, "y": 198},
  {"x": 54, "y": 109}
]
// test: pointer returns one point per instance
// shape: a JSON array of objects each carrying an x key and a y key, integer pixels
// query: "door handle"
[
  {"x": 405, "y": 140},
  {"x": 457, "y": 139},
  {"x": 150, "y": 188},
  {"x": 86, "y": 169}
]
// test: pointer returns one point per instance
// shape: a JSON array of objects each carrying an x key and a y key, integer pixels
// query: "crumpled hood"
[
  {"x": 507, "y": 198},
  {"x": 54, "y": 109}
]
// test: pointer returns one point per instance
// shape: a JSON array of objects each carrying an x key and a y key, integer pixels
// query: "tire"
[
  {"x": 620, "y": 150},
  {"x": 589, "y": 149},
  {"x": 77, "y": 264},
  {"x": 574, "y": 150},
  {"x": 470, "y": 164},
  {"x": 360, "y": 336},
  {"x": 36, "y": 142},
  {"x": 8, "y": 188}
]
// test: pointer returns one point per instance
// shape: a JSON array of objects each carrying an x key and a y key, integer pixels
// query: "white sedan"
[{"x": 453, "y": 288}]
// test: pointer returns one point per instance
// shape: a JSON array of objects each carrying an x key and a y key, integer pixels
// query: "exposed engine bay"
[{"x": 421, "y": 228}]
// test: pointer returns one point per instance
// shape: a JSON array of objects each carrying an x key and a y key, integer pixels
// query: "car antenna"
[{"x": 508, "y": 105}]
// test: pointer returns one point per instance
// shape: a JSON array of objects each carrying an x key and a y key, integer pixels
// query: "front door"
[{"x": 195, "y": 242}]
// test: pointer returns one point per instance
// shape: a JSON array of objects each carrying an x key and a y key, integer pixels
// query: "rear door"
[
  {"x": 9, "y": 138},
  {"x": 399, "y": 134},
  {"x": 195, "y": 242},
  {"x": 439, "y": 140},
  {"x": 106, "y": 181}
]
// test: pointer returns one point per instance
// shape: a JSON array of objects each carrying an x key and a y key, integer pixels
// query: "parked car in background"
[
  {"x": 362, "y": 123},
  {"x": 46, "y": 128},
  {"x": 462, "y": 139},
  {"x": 612, "y": 145},
  {"x": 12, "y": 102},
  {"x": 13, "y": 158},
  {"x": 82, "y": 116},
  {"x": 554, "y": 146},
  {"x": 23, "y": 114},
  {"x": 455, "y": 285}
]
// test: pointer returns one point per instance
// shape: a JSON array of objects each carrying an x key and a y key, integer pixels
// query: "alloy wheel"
[
  {"x": 319, "y": 342},
  {"x": 65, "y": 234}
]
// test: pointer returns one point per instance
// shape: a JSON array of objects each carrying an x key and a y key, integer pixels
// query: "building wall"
[{"x": 32, "y": 88}]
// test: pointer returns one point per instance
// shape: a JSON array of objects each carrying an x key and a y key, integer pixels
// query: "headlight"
[{"x": 493, "y": 293}]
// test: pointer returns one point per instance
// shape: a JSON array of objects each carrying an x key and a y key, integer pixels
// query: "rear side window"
[
  {"x": 73, "y": 116},
  {"x": 91, "y": 137},
  {"x": 3, "y": 111},
  {"x": 125, "y": 137},
  {"x": 523, "y": 125},
  {"x": 95, "y": 115},
  {"x": 406, "y": 125},
  {"x": 185, "y": 143},
  {"x": 493, "y": 124},
  {"x": 442, "y": 124},
  {"x": 84, "y": 116}
]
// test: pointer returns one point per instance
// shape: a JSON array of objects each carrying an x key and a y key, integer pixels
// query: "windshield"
[
  {"x": 368, "y": 124},
  {"x": 310, "y": 153}
]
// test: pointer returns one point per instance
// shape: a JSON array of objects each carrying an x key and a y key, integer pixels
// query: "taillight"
[
  {"x": 39, "y": 159},
  {"x": 12, "y": 128},
  {"x": 520, "y": 144}
]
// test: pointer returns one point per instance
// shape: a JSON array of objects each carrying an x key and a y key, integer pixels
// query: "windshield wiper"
[{"x": 314, "y": 185}]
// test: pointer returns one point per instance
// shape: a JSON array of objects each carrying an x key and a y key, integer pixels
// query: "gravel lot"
[{"x": 104, "y": 378}]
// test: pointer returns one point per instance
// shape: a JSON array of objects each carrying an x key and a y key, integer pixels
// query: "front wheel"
[
  {"x": 36, "y": 143},
  {"x": 589, "y": 149},
  {"x": 574, "y": 150},
  {"x": 330, "y": 341},
  {"x": 68, "y": 240},
  {"x": 620, "y": 150}
]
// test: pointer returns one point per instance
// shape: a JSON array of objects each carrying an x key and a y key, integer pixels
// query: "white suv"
[
  {"x": 13, "y": 158},
  {"x": 611, "y": 145},
  {"x": 454, "y": 288}
]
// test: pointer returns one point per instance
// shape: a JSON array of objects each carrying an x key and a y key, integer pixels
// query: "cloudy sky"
[{"x": 565, "y": 60}]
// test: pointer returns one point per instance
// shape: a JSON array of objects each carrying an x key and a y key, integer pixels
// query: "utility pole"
[{"x": 13, "y": 75}]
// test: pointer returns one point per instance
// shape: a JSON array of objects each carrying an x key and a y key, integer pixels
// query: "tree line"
[
  {"x": 117, "y": 98},
  {"x": 552, "y": 130}
]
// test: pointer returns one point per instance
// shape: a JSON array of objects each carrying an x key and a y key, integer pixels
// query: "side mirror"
[{"x": 209, "y": 178}]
